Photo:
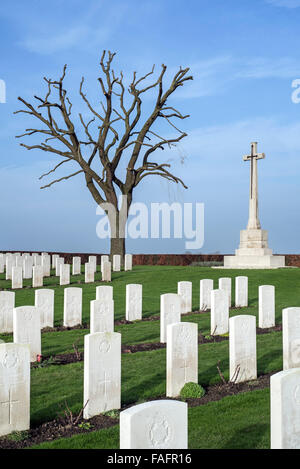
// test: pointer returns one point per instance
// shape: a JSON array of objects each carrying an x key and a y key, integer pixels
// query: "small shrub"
[
  {"x": 112, "y": 413},
  {"x": 192, "y": 390},
  {"x": 18, "y": 435},
  {"x": 85, "y": 425}
]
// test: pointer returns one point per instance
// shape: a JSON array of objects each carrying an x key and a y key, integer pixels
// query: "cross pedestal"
[{"x": 253, "y": 252}]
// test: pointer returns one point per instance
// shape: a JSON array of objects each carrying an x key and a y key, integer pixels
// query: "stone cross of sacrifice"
[{"x": 253, "y": 222}]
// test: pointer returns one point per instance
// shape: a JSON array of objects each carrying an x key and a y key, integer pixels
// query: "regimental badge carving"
[
  {"x": 28, "y": 315},
  {"x": 104, "y": 346},
  {"x": 10, "y": 360},
  {"x": 159, "y": 431}
]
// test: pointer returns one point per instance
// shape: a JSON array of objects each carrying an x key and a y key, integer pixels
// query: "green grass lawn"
[{"x": 235, "y": 422}]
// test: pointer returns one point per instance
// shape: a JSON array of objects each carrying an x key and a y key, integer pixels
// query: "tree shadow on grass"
[{"x": 252, "y": 437}]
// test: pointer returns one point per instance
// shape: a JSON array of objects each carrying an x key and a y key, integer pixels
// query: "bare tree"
[{"x": 106, "y": 144}]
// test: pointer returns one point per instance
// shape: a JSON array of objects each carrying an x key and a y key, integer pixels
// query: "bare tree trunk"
[{"x": 117, "y": 242}]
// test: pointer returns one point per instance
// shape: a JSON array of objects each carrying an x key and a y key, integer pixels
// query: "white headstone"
[
  {"x": 225, "y": 284},
  {"x": 242, "y": 348},
  {"x": 58, "y": 262},
  {"x": 8, "y": 267},
  {"x": 2, "y": 263},
  {"x": 64, "y": 274},
  {"x": 106, "y": 273},
  {"x": 219, "y": 315},
  {"x": 18, "y": 261},
  {"x": 54, "y": 257},
  {"x": 182, "y": 356},
  {"x": 93, "y": 261},
  {"x": 291, "y": 338},
  {"x": 7, "y": 304},
  {"x": 128, "y": 262},
  {"x": 102, "y": 316},
  {"x": 46, "y": 263},
  {"x": 37, "y": 259},
  {"x": 104, "y": 292},
  {"x": 89, "y": 273},
  {"x": 27, "y": 267},
  {"x": 241, "y": 291},
  {"x": 206, "y": 286},
  {"x": 72, "y": 306},
  {"x": 155, "y": 425},
  {"x": 27, "y": 328},
  {"x": 103, "y": 259},
  {"x": 14, "y": 388},
  {"x": 37, "y": 276},
  {"x": 285, "y": 409},
  {"x": 170, "y": 308},
  {"x": 102, "y": 373},
  {"x": 76, "y": 270},
  {"x": 44, "y": 301},
  {"x": 17, "y": 277},
  {"x": 184, "y": 289},
  {"x": 266, "y": 306},
  {"x": 134, "y": 301},
  {"x": 116, "y": 263}
]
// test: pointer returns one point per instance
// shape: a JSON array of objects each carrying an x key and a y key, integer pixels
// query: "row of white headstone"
[
  {"x": 152, "y": 425},
  {"x": 156, "y": 424},
  {"x": 28, "y": 267},
  {"x": 102, "y": 308}
]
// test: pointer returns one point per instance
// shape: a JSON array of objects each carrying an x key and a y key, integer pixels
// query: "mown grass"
[{"x": 236, "y": 422}]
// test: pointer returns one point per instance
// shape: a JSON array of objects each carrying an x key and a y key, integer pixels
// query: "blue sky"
[{"x": 243, "y": 56}]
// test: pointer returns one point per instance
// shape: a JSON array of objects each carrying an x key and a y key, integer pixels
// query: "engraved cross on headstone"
[
  {"x": 253, "y": 222},
  {"x": 9, "y": 403}
]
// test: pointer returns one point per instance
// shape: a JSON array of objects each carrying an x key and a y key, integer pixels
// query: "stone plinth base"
[{"x": 254, "y": 262}]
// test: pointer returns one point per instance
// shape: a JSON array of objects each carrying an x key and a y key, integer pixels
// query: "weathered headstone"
[
  {"x": 182, "y": 356},
  {"x": 18, "y": 261},
  {"x": 102, "y": 316},
  {"x": 72, "y": 306},
  {"x": 58, "y": 262},
  {"x": 37, "y": 259},
  {"x": 285, "y": 409},
  {"x": 8, "y": 267},
  {"x": 17, "y": 278},
  {"x": 291, "y": 338},
  {"x": 242, "y": 348},
  {"x": 128, "y": 262},
  {"x": 44, "y": 301},
  {"x": 241, "y": 291},
  {"x": 184, "y": 289},
  {"x": 102, "y": 373},
  {"x": 155, "y": 425},
  {"x": 170, "y": 308},
  {"x": 46, "y": 263},
  {"x": 106, "y": 273},
  {"x": 7, "y": 304},
  {"x": 37, "y": 276},
  {"x": 89, "y": 273},
  {"x": 93, "y": 261},
  {"x": 2, "y": 263},
  {"x": 103, "y": 259},
  {"x": 225, "y": 284},
  {"x": 27, "y": 328},
  {"x": 14, "y": 388},
  {"x": 134, "y": 301},
  {"x": 27, "y": 267},
  {"x": 219, "y": 314},
  {"x": 266, "y": 306},
  {"x": 64, "y": 277},
  {"x": 76, "y": 268},
  {"x": 104, "y": 292},
  {"x": 116, "y": 263},
  {"x": 54, "y": 257},
  {"x": 206, "y": 286}
]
